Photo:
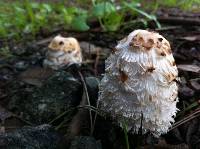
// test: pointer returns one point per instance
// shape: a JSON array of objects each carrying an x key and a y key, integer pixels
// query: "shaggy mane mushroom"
[
  {"x": 62, "y": 51},
  {"x": 140, "y": 79}
]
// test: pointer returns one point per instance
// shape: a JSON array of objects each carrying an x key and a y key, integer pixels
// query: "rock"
[
  {"x": 85, "y": 142},
  {"x": 40, "y": 137},
  {"x": 42, "y": 104},
  {"x": 21, "y": 65}
]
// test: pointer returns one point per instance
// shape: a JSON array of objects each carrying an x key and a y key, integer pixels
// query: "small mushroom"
[
  {"x": 139, "y": 86},
  {"x": 62, "y": 51}
]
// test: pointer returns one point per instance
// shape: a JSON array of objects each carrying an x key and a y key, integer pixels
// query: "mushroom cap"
[
  {"x": 140, "y": 83},
  {"x": 62, "y": 51},
  {"x": 60, "y": 43}
]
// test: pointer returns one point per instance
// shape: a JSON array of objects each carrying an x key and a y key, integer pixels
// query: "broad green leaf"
[
  {"x": 47, "y": 7},
  {"x": 19, "y": 9},
  {"x": 102, "y": 9},
  {"x": 133, "y": 7},
  {"x": 72, "y": 10},
  {"x": 112, "y": 21},
  {"x": 35, "y": 5},
  {"x": 79, "y": 23},
  {"x": 148, "y": 16},
  {"x": 28, "y": 28},
  {"x": 67, "y": 17}
]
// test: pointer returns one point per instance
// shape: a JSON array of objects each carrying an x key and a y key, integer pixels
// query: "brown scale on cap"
[
  {"x": 162, "y": 53},
  {"x": 151, "y": 98},
  {"x": 170, "y": 77},
  {"x": 123, "y": 76},
  {"x": 173, "y": 63},
  {"x": 163, "y": 47},
  {"x": 150, "y": 69},
  {"x": 145, "y": 41},
  {"x": 114, "y": 50},
  {"x": 149, "y": 44},
  {"x": 151, "y": 40}
]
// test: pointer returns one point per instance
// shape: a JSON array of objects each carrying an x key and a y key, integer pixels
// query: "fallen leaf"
[
  {"x": 195, "y": 83},
  {"x": 162, "y": 144},
  {"x": 191, "y": 38},
  {"x": 35, "y": 76},
  {"x": 4, "y": 114},
  {"x": 192, "y": 68}
]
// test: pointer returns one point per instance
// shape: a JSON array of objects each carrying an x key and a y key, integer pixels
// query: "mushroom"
[
  {"x": 139, "y": 85},
  {"x": 62, "y": 51}
]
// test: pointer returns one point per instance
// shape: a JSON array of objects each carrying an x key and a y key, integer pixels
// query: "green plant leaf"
[
  {"x": 102, "y": 9},
  {"x": 133, "y": 7},
  {"x": 112, "y": 21},
  {"x": 47, "y": 7},
  {"x": 148, "y": 16},
  {"x": 79, "y": 23}
]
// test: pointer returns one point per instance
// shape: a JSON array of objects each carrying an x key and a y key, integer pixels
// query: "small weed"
[
  {"x": 28, "y": 18},
  {"x": 126, "y": 134},
  {"x": 18, "y": 19},
  {"x": 5, "y": 52}
]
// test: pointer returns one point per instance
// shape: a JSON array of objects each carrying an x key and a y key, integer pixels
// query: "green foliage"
[
  {"x": 133, "y": 7},
  {"x": 27, "y": 17},
  {"x": 191, "y": 5},
  {"x": 112, "y": 21},
  {"x": 79, "y": 23},
  {"x": 108, "y": 16},
  {"x": 101, "y": 9}
]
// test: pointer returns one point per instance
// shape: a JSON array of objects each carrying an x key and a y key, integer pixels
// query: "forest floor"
[{"x": 22, "y": 76}]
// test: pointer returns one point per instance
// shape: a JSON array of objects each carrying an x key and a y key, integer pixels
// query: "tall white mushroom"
[
  {"x": 62, "y": 51},
  {"x": 140, "y": 83}
]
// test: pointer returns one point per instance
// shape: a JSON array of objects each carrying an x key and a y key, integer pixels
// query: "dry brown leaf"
[
  {"x": 192, "y": 68},
  {"x": 195, "y": 83},
  {"x": 163, "y": 145},
  {"x": 35, "y": 76},
  {"x": 191, "y": 38},
  {"x": 4, "y": 114}
]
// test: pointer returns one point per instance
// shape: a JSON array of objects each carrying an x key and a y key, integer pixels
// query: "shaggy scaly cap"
[
  {"x": 62, "y": 51},
  {"x": 140, "y": 82}
]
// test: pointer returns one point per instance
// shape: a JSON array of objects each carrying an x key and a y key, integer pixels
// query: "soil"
[{"x": 22, "y": 69}]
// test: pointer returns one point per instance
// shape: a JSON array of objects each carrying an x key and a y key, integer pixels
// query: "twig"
[
  {"x": 61, "y": 115},
  {"x": 186, "y": 119},
  {"x": 88, "y": 100},
  {"x": 96, "y": 62},
  {"x": 95, "y": 117},
  {"x": 89, "y": 107},
  {"x": 25, "y": 121}
]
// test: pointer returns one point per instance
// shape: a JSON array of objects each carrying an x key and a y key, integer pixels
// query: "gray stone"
[
  {"x": 42, "y": 104},
  {"x": 40, "y": 137},
  {"x": 60, "y": 92},
  {"x": 85, "y": 142}
]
